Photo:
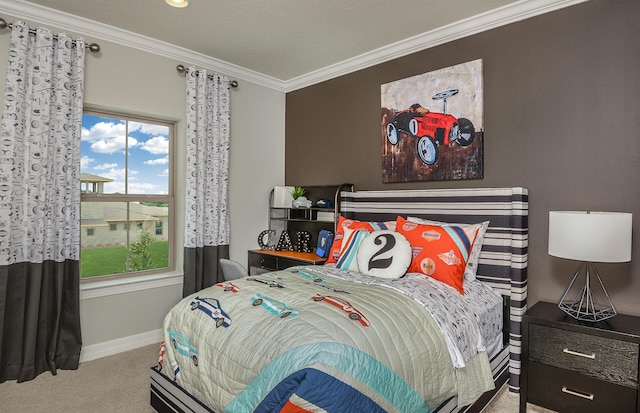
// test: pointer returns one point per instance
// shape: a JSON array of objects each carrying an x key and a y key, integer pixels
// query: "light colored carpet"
[{"x": 120, "y": 383}]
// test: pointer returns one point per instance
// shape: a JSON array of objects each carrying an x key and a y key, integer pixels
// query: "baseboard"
[{"x": 119, "y": 345}]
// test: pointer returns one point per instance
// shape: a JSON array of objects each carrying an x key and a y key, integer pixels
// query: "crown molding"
[
  {"x": 515, "y": 12},
  {"x": 100, "y": 31}
]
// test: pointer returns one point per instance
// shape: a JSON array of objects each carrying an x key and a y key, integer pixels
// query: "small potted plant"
[
  {"x": 299, "y": 200},
  {"x": 297, "y": 192}
]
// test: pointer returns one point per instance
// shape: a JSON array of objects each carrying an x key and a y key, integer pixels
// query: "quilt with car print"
[{"x": 315, "y": 338}]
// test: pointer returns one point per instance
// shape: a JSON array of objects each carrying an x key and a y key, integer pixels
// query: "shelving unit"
[
  {"x": 309, "y": 219},
  {"x": 293, "y": 220}
]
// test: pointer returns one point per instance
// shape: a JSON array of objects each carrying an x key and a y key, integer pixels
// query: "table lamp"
[{"x": 589, "y": 236}]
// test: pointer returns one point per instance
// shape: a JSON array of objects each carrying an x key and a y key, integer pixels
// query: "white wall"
[
  {"x": 257, "y": 162},
  {"x": 122, "y": 78}
]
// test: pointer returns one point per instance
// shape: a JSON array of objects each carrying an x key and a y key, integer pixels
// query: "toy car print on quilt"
[
  {"x": 302, "y": 338},
  {"x": 466, "y": 330}
]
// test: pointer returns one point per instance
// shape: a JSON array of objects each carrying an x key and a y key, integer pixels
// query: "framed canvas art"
[{"x": 432, "y": 125}]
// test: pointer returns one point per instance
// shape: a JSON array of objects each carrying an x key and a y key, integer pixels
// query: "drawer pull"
[
  {"x": 591, "y": 356},
  {"x": 587, "y": 396}
]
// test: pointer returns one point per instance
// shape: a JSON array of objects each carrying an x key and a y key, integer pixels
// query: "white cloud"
[
  {"x": 117, "y": 186},
  {"x": 113, "y": 144},
  {"x": 85, "y": 161},
  {"x": 159, "y": 161},
  {"x": 158, "y": 145},
  {"x": 118, "y": 174},
  {"x": 106, "y": 146},
  {"x": 143, "y": 188},
  {"x": 108, "y": 137},
  {"x": 134, "y": 188},
  {"x": 114, "y": 187},
  {"x": 105, "y": 166},
  {"x": 103, "y": 131},
  {"x": 149, "y": 129},
  {"x": 164, "y": 173},
  {"x": 115, "y": 174}
]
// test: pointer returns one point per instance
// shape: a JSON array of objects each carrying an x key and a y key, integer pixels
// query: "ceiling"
[{"x": 283, "y": 40}]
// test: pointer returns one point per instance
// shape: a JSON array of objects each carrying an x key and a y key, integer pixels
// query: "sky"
[{"x": 103, "y": 153}]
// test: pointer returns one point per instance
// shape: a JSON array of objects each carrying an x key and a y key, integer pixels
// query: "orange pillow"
[
  {"x": 441, "y": 252},
  {"x": 343, "y": 222}
]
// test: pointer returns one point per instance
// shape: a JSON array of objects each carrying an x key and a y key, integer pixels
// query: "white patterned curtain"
[
  {"x": 40, "y": 204},
  {"x": 206, "y": 237}
]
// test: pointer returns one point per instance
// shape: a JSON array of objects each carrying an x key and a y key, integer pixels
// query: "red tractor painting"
[{"x": 431, "y": 128}]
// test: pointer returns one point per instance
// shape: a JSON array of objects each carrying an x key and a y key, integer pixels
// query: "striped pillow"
[
  {"x": 349, "y": 249},
  {"x": 343, "y": 223},
  {"x": 472, "y": 263}
]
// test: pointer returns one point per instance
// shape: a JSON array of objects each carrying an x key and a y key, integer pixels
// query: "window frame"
[{"x": 127, "y": 198}]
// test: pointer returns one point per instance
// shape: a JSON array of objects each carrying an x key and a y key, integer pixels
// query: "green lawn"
[{"x": 103, "y": 261}]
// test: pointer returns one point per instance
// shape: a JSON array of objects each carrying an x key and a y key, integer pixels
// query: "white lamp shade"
[{"x": 590, "y": 236}]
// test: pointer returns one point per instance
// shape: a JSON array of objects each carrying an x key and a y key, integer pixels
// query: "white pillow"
[
  {"x": 384, "y": 254},
  {"x": 472, "y": 263}
]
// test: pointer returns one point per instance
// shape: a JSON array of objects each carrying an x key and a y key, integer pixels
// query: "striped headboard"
[{"x": 503, "y": 260}]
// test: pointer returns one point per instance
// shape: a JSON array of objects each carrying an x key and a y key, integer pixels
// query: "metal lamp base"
[{"x": 586, "y": 306}]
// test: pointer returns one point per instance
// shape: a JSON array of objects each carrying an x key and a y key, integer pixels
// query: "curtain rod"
[
  {"x": 93, "y": 47},
  {"x": 182, "y": 69}
]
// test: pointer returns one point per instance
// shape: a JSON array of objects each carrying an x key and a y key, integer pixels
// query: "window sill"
[{"x": 127, "y": 285}]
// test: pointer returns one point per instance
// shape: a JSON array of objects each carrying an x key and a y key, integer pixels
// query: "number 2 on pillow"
[
  {"x": 384, "y": 254},
  {"x": 389, "y": 242}
]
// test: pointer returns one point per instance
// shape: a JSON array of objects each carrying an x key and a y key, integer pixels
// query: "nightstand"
[
  {"x": 269, "y": 260},
  {"x": 573, "y": 366}
]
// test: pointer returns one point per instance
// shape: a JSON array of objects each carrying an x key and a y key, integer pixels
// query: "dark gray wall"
[{"x": 562, "y": 118}]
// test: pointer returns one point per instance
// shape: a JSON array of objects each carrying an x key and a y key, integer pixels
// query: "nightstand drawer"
[
  {"x": 267, "y": 262},
  {"x": 261, "y": 261},
  {"x": 607, "y": 359},
  {"x": 286, "y": 263},
  {"x": 563, "y": 390}
]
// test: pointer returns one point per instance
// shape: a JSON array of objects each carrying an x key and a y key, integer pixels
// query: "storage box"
[
  {"x": 282, "y": 197},
  {"x": 326, "y": 216}
]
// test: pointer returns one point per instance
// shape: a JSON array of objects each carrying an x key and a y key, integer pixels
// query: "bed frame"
[
  {"x": 503, "y": 259},
  {"x": 503, "y": 265}
]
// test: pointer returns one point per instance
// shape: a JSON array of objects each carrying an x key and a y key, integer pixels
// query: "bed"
[{"x": 334, "y": 338}]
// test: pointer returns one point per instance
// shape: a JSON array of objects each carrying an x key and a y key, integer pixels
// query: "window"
[{"x": 126, "y": 177}]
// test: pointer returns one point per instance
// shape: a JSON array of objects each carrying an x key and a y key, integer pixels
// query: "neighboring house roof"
[
  {"x": 98, "y": 213},
  {"x": 84, "y": 177},
  {"x": 156, "y": 211},
  {"x": 101, "y": 213}
]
